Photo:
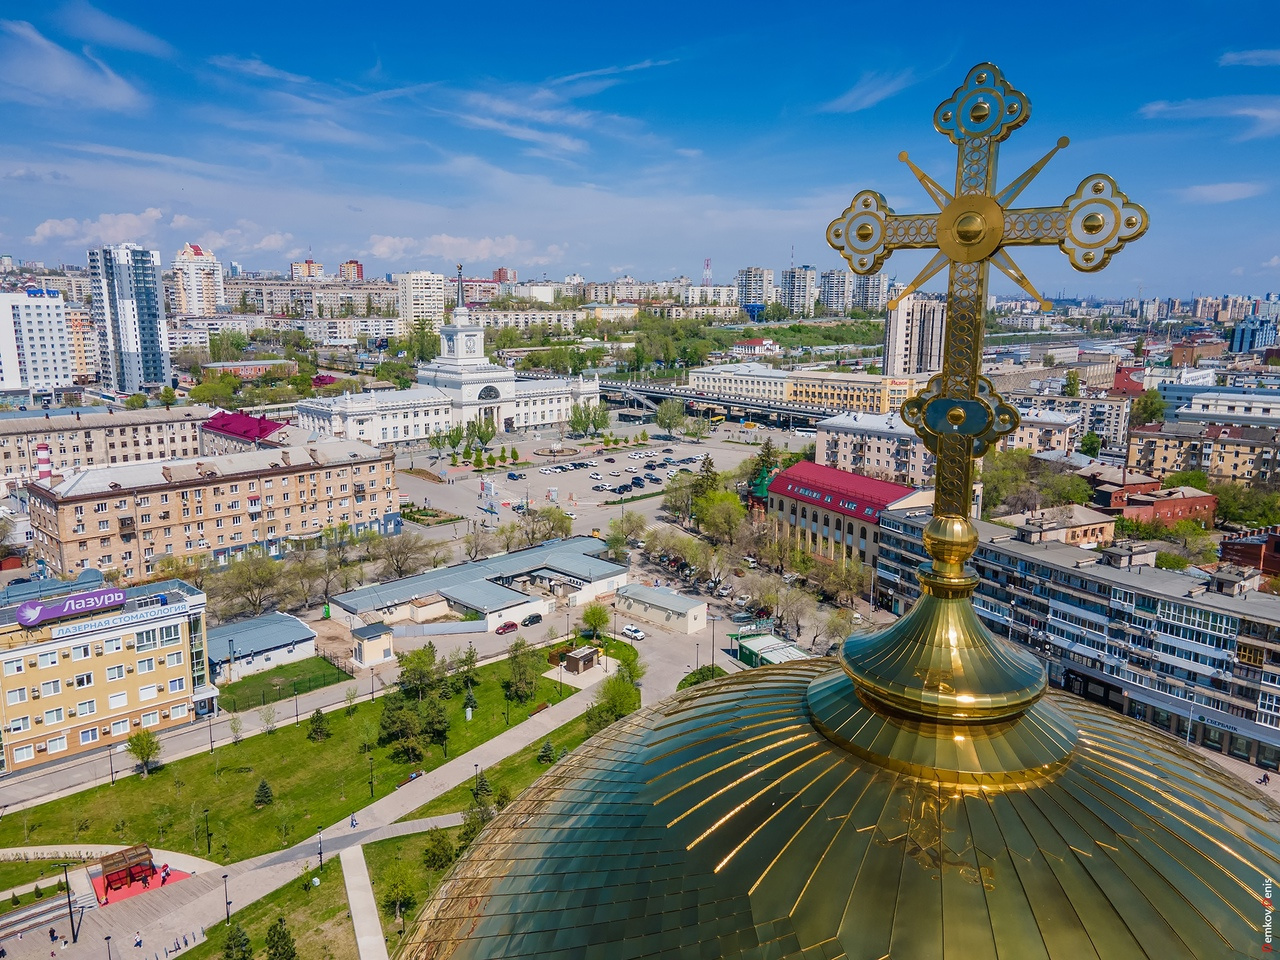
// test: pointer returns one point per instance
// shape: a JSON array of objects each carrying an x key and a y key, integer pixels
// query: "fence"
[{"x": 259, "y": 695}]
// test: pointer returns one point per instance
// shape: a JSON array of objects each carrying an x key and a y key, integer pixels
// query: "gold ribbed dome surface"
[{"x": 722, "y": 823}]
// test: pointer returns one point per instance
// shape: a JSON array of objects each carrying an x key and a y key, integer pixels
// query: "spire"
[{"x": 461, "y": 316}]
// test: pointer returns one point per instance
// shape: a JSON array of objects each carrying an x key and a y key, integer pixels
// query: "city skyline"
[{"x": 607, "y": 146}]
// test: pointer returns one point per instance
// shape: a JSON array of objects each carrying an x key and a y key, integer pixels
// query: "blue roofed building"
[{"x": 237, "y": 650}]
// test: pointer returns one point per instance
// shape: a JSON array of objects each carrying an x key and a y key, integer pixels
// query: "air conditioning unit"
[
  {"x": 97, "y": 649},
  {"x": 106, "y": 730},
  {"x": 129, "y": 669},
  {"x": 165, "y": 714},
  {"x": 137, "y": 722},
  {"x": 39, "y": 719},
  {"x": 129, "y": 644},
  {"x": 40, "y": 748},
  {"x": 35, "y": 693},
  {"x": 71, "y": 712},
  {"x": 66, "y": 654},
  {"x": 31, "y": 661}
]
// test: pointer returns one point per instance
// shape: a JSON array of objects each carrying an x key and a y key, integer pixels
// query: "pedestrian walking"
[
  {"x": 53, "y": 935},
  {"x": 137, "y": 939}
]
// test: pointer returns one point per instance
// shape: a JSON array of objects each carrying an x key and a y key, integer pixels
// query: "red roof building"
[
  {"x": 830, "y": 513},
  {"x": 233, "y": 432},
  {"x": 1128, "y": 382},
  {"x": 756, "y": 347}
]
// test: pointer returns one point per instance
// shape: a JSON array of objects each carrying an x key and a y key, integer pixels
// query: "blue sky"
[{"x": 611, "y": 138}]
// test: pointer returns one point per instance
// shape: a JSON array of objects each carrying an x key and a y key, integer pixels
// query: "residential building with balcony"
[
  {"x": 913, "y": 335},
  {"x": 84, "y": 665},
  {"x": 1242, "y": 454},
  {"x": 1108, "y": 417},
  {"x": 1194, "y": 657},
  {"x": 128, "y": 316},
  {"x": 124, "y": 518},
  {"x": 856, "y": 392},
  {"x": 876, "y": 445},
  {"x": 1043, "y": 431},
  {"x": 82, "y": 437},
  {"x": 197, "y": 282},
  {"x": 36, "y": 353}
]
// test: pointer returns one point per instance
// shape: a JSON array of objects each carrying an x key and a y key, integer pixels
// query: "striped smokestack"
[{"x": 43, "y": 464}]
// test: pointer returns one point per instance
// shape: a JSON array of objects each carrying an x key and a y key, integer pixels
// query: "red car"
[{"x": 509, "y": 627}]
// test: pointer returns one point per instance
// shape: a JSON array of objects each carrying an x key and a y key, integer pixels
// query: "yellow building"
[
  {"x": 860, "y": 392},
  {"x": 84, "y": 344},
  {"x": 1240, "y": 454},
  {"x": 84, "y": 665}
]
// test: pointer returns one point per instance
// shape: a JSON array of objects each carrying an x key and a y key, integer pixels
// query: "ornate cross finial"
[{"x": 959, "y": 414}]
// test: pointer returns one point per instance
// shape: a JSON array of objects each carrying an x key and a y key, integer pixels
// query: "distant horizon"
[{"x": 734, "y": 132}]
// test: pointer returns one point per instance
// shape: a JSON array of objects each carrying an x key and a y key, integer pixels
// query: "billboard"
[{"x": 35, "y": 612}]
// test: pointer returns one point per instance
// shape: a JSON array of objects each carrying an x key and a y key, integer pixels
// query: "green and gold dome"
[{"x": 920, "y": 796}]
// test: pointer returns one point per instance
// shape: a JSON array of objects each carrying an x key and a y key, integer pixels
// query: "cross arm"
[{"x": 868, "y": 231}]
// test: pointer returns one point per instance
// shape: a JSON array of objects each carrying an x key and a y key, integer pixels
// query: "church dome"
[{"x": 789, "y": 812}]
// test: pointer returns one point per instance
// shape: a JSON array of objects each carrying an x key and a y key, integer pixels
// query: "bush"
[
  {"x": 701, "y": 675},
  {"x": 39, "y": 894},
  {"x": 319, "y": 727},
  {"x": 13, "y": 899},
  {"x": 263, "y": 796}
]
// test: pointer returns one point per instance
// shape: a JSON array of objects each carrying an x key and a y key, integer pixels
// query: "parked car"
[
  {"x": 742, "y": 600},
  {"x": 622, "y": 488},
  {"x": 610, "y": 460},
  {"x": 742, "y": 617},
  {"x": 637, "y": 483},
  {"x": 531, "y": 619},
  {"x": 632, "y": 632},
  {"x": 726, "y": 589},
  {"x": 595, "y": 476},
  {"x": 667, "y": 450},
  {"x": 633, "y": 469},
  {"x": 512, "y": 475},
  {"x": 571, "y": 515},
  {"x": 653, "y": 478},
  {"x": 509, "y": 627},
  {"x": 600, "y": 487}
]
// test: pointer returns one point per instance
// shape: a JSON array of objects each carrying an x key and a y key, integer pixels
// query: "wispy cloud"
[
  {"x": 108, "y": 228},
  {"x": 1262, "y": 109},
  {"x": 1273, "y": 263},
  {"x": 1250, "y": 58},
  {"x": 1221, "y": 192},
  {"x": 612, "y": 71},
  {"x": 445, "y": 246},
  {"x": 255, "y": 67},
  {"x": 86, "y": 22},
  {"x": 871, "y": 88},
  {"x": 36, "y": 71}
]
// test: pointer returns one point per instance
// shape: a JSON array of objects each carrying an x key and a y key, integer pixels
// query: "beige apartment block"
[
  {"x": 124, "y": 518},
  {"x": 861, "y": 392},
  {"x": 80, "y": 440},
  {"x": 83, "y": 337},
  {"x": 1241, "y": 454},
  {"x": 100, "y": 664}
]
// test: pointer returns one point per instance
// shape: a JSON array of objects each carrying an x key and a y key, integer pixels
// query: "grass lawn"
[
  {"x": 18, "y": 873},
  {"x": 280, "y": 682},
  {"x": 317, "y": 917},
  {"x": 378, "y": 857},
  {"x": 314, "y": 784},
  {"x": 514, "y": 772}
]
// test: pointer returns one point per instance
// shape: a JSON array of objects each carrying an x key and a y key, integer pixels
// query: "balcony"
[{"x": 126, "y": 523}]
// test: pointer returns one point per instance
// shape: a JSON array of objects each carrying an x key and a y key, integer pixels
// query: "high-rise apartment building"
[
  {"x": 506, "y": 275},
  {"x": 421, "y": 296},
  {"x": 871, "y": 292},
  {"x": 755, "y": 286},
  {"x": 35, "y": 351},
  {"x": 84, "y": 343},
  {"x": 128, "y": 315},
  {"x": 913, "y": 336},
  {"x": 799, "y": 289},
  {"x": 351, "y": 270},
  {"x": 835, "y": 290},
  {"x": 197, "y": 282},
  {"x": 306, "y": 270}
]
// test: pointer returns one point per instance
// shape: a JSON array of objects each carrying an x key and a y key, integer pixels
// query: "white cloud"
[
  {"x": 1273, "y": 263},
  {"x": 870, "y": 89},
  {"x": 181, "y": 221},
  {"x": 445, "y": 246},
  {"x": 108, "y": 228},
  {"x": 89, "y": 23},
  {"x": 1250, "y": 58},
  {"x": 255, "y": 67},
  {"x": 1221, "y": 192},
  {"x": 1262, "y": 109},
  {"x": 273, "y": 241},
  {"x": 36, "y": 71}
]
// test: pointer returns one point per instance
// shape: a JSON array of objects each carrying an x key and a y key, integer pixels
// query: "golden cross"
[{"x": 959, "y": 414}]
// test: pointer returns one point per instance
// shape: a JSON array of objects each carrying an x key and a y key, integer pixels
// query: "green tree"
[
  {"x": 318, "y": 727},
  {"x": 237, "y": 946},
  {"x": 280, "y": 945},
  {"x": 719, "y": 514},
  {"x": 419, "y": 672},
  {"x": 1059, "y": 488},
  {"x": 250, "y": 585},
  {"x": 616, "y": 697},
  {"x": 136, "y": 402},
  {"x": 1171, "y": 561},
  {"x": 1147, "y": 408},
  {"x": 696, "y": 429},
  {"x": 701, "y": 675},
  {"x": 145, "y": 747},
  {"x": 435, "y": 723},
  {"x": 1049, "y": 360},
  {"x": 670, "y": 415},
  {"x": 483, "y": 790},
  {"x": 397, "y": 887},
  {"x": 595, "y": 617},
  {"x": 548, "y": 753},
  {"x": 1091, "y": 444},
  {"x": 263, "y": 796},
  {"x": 522, "y": 670},
  {"x": 1006, "y": 474},
  {"x": 439, "y": 851},
  {"x": 168, "y": 396},
  {"x": 1072, "y": 387},
  {"x": 1186, "y": 478}
]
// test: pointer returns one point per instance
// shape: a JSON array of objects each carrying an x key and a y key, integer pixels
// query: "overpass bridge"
[{"x": 647, "y": 396}]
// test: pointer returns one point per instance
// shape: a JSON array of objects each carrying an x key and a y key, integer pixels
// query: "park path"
[{"x": 164, "y": 915}]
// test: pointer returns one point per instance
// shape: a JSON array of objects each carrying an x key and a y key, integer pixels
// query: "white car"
[
  {"x": 592, "y": 463},
  {"x": 595, "y": 476},
  {"x": 571, "y": 515},
  {"x": 632, "y": 632},
  {"x": 743, "y": 600},
  {"x": 614, "y": 473},
  {"x": 546, "y": 471},
  {"x": 633, "y": 469},
  {"x": 726, "y": 589}
]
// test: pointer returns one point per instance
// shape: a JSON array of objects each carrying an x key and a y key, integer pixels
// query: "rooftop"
[
  {"x": 748, "y": 369},
  {"x": 661, "y": 597},
  {"x": 72, "y": 418},
  {"x": 884, "y": 423},
  {"x": 127, "y": 478},
  {"x": 850, "y": 494},
  {"x": 248, "y": 638},
  {"x": 1058, "y": 518},
  {"x": 1101, "y": 473},
  {"x": 476, "y": 585},
  {"x": 241, "y": 426}
]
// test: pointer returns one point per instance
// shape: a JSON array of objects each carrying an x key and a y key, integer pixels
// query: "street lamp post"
[
  {"x": 295, "y": 705},
  {"x": 371, "y": 777},
  {"x": 211, "y": 733},
  {"x": 320, "y": 838},
  {"x": 208, "y": 837},
  {"x": 227, "y": 897},
  {"x": 111, "y": 765},
  {"x": 477, "y": 766},
  {"x": 697, "y": 662},
  {"x": 108, "y": 939},
  {"x": 71, "y": 917}
]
